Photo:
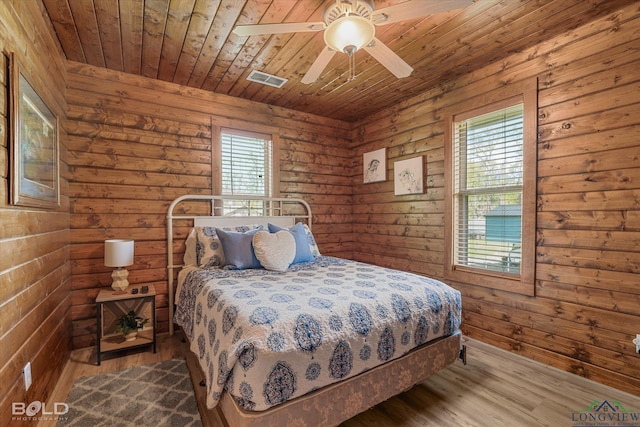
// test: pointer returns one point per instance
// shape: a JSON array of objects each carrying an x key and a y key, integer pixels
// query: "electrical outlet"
[{"x": 27, "y": 375}]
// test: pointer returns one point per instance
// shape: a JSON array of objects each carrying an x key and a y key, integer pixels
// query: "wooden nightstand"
[{"x": 111, "y": 305}]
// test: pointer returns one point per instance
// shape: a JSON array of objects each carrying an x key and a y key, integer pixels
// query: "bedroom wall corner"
[
  {"x": 136, "y": 144},
  {"x": 35, "y": 266},
  {"x": 585, "y": 311}
]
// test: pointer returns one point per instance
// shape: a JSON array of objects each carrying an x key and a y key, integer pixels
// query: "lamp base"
[{"x": 119, "y": 276}]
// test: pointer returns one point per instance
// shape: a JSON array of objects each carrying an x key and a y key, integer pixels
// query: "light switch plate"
[{"x": 27, "y": 376}]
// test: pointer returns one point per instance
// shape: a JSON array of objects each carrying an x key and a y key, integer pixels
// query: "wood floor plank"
[{"x": 496, "y": 388}]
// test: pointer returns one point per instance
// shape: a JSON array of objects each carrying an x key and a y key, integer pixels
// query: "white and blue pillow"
[
  {"x": 303, "y": 251},
  {"x": 275, "y": 251}
]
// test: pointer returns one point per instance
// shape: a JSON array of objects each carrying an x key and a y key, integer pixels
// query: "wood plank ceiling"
[{"x": 190, "y": 42}]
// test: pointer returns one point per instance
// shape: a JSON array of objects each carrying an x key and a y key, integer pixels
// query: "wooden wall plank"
[
  {"x": 49, "y": 350},
  {"x": 590, "y": 220}
]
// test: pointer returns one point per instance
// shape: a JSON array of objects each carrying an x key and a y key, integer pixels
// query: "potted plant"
[{"x": 129, "y": 324}]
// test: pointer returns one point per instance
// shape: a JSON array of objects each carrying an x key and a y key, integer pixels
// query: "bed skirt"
[{"x": 336, "y": 403}]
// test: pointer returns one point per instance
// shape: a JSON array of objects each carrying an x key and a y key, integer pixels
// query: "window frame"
[
  {"x": 267, "y": 155},
  {"x": 243, "y": 128},
  {"x": 524, "y": 92}
]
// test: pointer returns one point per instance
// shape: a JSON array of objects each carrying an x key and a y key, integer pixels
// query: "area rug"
[{"x": 160, "y": 394}]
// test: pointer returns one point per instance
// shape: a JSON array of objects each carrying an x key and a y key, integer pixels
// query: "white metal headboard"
[{"x": 282, "y": 211}]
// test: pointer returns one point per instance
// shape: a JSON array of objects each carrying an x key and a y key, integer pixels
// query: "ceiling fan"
[{"x": 349, "y": 25}]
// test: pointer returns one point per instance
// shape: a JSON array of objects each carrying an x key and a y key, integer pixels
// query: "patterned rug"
[{"x": 160, "y": 394}]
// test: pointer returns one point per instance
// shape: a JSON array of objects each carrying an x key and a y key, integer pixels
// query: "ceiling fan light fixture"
[
  {"x": 349, "y": 33},
  {"x": 349, "y": 25}
]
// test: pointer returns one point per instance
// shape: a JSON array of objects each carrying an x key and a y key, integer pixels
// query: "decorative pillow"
[
  {"x": 190, "y": 257},
  {"x": 208, "y": 249},
  {"x": 303, "y": 252},
  {"x": 238, "y": 249},
  {"x": 274, "y": 251},
  {"x": 313, "y": 246}
]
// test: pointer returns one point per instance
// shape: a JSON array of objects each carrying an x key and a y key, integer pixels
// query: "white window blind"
[
  {"x": 488, "y": 190},
  {"x": 246, "y": 170}
]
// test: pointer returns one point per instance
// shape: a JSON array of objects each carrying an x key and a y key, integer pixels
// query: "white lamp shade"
[
  {"x": 351, "y": 30},
  {"x": 118, "y": 253}
]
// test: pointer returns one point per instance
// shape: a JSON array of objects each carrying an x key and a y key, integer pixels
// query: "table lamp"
[{"x": 119, "y": 254}]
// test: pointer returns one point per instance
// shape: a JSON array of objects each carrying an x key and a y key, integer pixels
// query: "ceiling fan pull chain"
[{"x": 352, "y": 67}]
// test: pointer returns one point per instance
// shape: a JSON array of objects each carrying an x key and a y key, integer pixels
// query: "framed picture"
[
  {"x": 374, "y": 165},
  {"x": 34, "y": 129},
  {"x": 408, "y": 176}
]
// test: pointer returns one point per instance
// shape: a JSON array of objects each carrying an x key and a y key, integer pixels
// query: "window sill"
[{"x": 491, "y": 279}]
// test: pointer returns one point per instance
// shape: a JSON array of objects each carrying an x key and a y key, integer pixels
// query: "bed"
[{"x": 284, "y": 334}]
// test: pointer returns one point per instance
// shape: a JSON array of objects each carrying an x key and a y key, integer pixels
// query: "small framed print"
[
  {"x": 374, "y": 166},
  {"x": 34, "y": 130},
  {"x": 408, "y": 176}
]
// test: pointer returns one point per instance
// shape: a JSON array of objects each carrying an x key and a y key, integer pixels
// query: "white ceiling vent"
[{"x": 266, "y": 79}]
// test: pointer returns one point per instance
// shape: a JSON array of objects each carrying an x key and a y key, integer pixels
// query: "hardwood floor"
[{"x": 496, "y": 388}]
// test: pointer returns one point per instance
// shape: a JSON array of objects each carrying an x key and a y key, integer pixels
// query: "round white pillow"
[{"x": 274, "y": 251}]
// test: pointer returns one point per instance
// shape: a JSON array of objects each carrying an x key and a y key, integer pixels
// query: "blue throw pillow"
[
  {"x": 238, "y": 248},
  {"x": 303, "y": 252}
]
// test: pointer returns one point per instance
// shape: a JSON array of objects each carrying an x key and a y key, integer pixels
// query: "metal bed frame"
[{"x": 272, "y": 209}]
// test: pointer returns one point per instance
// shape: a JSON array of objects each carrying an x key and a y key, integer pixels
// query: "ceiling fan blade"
[
  {"x": 318, "y": 65},
  {"x": 285, "y": 27},
  {"x": 415, "y": 9},
  {"x": 389, "y": 59}
]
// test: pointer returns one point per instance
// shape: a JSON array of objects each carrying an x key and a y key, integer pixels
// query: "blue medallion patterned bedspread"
[{"x": 267, "y": 337}]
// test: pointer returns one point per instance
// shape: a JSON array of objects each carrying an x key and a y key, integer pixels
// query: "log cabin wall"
[
  {"x": 34, "y": 243},
  {"x": 135, "y": 144},
  {"x": 586, "y": 308}
]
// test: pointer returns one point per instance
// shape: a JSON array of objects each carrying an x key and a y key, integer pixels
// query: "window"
[
  {"x": 490, "y": 220},
  {"x": 488, "y": 191},
  {"x": 246, "y": 170}
]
